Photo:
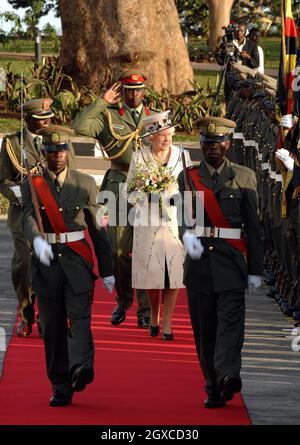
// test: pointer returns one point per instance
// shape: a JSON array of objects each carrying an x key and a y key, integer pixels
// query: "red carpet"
[{"x": 139, "y": 380}]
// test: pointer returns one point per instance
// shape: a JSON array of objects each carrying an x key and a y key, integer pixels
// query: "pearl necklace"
[{"x": 160, "y": 161}]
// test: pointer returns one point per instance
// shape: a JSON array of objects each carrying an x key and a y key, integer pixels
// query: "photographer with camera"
[
  {"x": 247, "y": 49},
  {"x": 235, "y": 48}
]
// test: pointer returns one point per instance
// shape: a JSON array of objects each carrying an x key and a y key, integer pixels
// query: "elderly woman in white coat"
[{"x": 158, "y": 254}]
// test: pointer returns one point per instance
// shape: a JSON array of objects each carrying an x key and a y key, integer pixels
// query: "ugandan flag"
[
  {"x": 288, "y": 58},
  {"x": 285, "y": 94}
]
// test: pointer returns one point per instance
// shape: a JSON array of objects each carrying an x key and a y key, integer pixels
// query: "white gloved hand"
[
  {"x": 287, "y": 121},
  {"x": 284, "y": 155},
  {"x": 192, "y": 245},
  {"x": 43, "y": 250},
  {"x": 109, "y": 283},
  {"x": 289, "y": 163},
  {"x": 16, "y": 189},
  {"x": 254, "y": 281}
]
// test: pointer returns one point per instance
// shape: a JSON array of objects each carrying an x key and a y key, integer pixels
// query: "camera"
[
  {"x": 230, "y": 31},
  {"x": 227, "y": 46}
]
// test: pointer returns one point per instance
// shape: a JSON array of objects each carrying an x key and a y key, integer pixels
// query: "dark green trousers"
[
  {"x": 20, "y": 273},
  {"x": 218, "y": 325},
  {"x": 121, "y": 238},
  {"x": 65, "y": 345}
]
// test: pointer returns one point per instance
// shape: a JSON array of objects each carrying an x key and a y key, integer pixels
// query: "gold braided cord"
[
  {"x": 135, "y": 135},
  {"x": 15, "y": 162}
]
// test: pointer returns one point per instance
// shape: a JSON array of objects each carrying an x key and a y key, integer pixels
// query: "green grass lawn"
[
  {"x": 9, "y": 125},
  {"x": 207, "y": 78},
  {"x": 26, "y": 46},
  {"x": 181, "y": 137},
  {"x": 270, "y": 45}
]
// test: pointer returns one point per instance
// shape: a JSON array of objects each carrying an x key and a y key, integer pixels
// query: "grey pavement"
[{"x": 271, "y": 369}]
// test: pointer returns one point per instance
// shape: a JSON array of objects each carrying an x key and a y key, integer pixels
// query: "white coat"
[{"x": 158, "y": 245}]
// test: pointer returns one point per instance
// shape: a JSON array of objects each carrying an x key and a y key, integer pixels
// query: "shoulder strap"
[
  {"x": 14, "y": 160},
  {"x": 213, "y": 209},
  {"x": 56, "y": 220}
]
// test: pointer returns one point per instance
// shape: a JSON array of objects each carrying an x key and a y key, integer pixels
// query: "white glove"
[
  {"x": 254, "y": 281},
  {"x": 192, "y": 245},
  {"x": 109, "y": 283},
  {"x": 287, "y": 121},
  {"x": 17, "y": 192},
  {"x": 284, "y": 155},
  {"x": 43, "y": 250}
]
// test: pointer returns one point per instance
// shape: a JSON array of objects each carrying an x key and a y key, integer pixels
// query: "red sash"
[
  {"x": 214, "y": 211},
  {"x": 56, "y": 219}
]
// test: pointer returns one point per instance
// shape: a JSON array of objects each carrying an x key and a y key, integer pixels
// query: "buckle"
[
  {"x": 57, "y": 238},
  {"x": 212, "y": 232}
]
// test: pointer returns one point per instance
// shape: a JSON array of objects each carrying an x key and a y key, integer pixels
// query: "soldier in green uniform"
[
  {"x": 117, "y": 126},
  {"x": 62, "y": 263},
  {"x": 38, "y": 115},
  {"x": 224, "y": 257}
]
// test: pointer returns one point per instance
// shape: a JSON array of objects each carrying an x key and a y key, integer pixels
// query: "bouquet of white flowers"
[{"x": 150, "y": 178}]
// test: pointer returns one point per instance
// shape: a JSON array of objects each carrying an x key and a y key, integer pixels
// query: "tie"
[
  {"x": 37, "y": 144},
  {"x": 214, "y": 178},
  {"x": 135, "y": 116},
  {"x": 57, "y": 186}
]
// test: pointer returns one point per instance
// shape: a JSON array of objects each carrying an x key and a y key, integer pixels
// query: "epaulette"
[
  {"x": 17, "y": 134},
  {"x": 241, "y": 167}
]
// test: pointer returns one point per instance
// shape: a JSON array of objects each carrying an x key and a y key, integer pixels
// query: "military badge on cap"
[
  {"x": 215, "y": 129},
  {"x": 132, "y": 79},
  {"x": 54, "y": 137},
  {"x": 211, "y": 128},
  {"x": 37, "y": 108},
  {"x": 46, "y": 104}
]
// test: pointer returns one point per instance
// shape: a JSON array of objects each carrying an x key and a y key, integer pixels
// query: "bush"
[
  {"x": 186, "y": 108},
  {"x": 4, "y": 203},
  {"x": 48, "y": 80}
]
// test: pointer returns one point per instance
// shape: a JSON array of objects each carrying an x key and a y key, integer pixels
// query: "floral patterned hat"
[{"x": 157, "y": 122}]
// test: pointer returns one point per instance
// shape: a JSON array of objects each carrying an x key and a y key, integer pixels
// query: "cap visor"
[
  {"x": 214, "y": 138},
  {"x": 134, "y": 86},
  {"x": 54, "y": 148},
  {"x": 42, "y": 116}
]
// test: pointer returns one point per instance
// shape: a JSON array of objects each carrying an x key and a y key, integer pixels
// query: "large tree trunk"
[
  {"x": 102, "y": 36},
  {"x": 219, "y": 16}
]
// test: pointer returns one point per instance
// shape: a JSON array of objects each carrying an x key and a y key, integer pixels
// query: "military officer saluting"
[
  {"x": 38, "y": 115},
  {"x": 224, "y": 257},
  {"x": 117, "y": 125},
  {"x": 62, "y": 264}
]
